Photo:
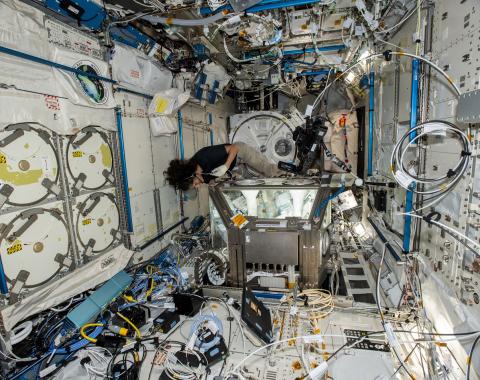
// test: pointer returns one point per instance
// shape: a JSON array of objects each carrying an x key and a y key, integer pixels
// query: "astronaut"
[{"x": 217, "y": 161}]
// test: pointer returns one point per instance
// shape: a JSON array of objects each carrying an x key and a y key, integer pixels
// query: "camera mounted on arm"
[{"x": 309, "y": 145}]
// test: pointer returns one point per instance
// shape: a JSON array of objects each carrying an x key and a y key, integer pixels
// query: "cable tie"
[
  {"x": 388, "y": 55},
  {"x": 85, "y": 360},
  {"x": 465, "y": 153},
  {"x": 451, "y": 173},
  {"x": 434, "y": 215}
]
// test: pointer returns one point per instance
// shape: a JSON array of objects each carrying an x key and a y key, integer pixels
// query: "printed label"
[
  {"x": 239, "y": 220},
  {"x": 15, "y": 247}
]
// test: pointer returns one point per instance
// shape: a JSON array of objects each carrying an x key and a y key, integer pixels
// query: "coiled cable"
[{"x": 435, "y": 188}]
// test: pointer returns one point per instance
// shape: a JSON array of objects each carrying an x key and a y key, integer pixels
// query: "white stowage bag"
[
  {"x": 342, "y": 139},
  {"x": 162, "y": 109},
  {"x": 163, "y": 125},
  {"x": 80, "y": 89},
  {"x": 136, "y": 71},
  {"x": 21, "y": 29},
  {"x": 97, "y": 271}
]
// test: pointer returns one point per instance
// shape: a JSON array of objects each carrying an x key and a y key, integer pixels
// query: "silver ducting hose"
[{"x": 185, "y": 22}]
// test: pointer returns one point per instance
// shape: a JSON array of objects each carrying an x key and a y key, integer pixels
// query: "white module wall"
[
  {"x": 140, "y": 173},
  {"x": 451, "y": 287},
  {"x": 197, "y": 123},
  {"x": 392, "y": 115},
  {"x": 456, "y": 48},
  {"x": 155, "y": 204},
  {"x": 59, "y": 205}
]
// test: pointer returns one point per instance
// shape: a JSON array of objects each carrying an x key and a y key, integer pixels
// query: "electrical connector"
[
  {"x": 318, "y": 372},
  {"x": 122, "y": 331},
  {"x": 110, "y": 341}
]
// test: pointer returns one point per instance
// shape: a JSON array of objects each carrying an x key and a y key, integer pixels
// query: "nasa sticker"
[{"x": 93, "y": 88}]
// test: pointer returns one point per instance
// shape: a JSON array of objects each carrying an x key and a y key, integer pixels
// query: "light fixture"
[
  {"x": 364, "y": 53},
  {"x": 359, "y": 229},
  {"x": 350, "y": 77}
]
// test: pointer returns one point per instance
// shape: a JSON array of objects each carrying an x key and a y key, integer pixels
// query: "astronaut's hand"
[{"x": 220, "y": 171}]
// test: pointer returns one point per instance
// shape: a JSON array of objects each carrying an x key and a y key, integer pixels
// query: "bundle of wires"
[
  {"x": 433, "y": 189},
  {"x": 240, "y": 26},
  {"x": 176, "y": 370},
  {"x": 214, "y": 4},
  {"x": 126, "y": 364},
  {"x": 155, "y": 282},
  {"x": 96, "y": 361},
  {"x": 319, "y": 303}
]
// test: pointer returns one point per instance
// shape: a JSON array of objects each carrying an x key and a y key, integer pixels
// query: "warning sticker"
[
  {"x": 52, "y": 103},
  {"x": 15, "y": 247},
  {"x": 239, "y": 220}
]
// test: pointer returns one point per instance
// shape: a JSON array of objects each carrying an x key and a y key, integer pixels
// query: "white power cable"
[
  {"x": 452, "y": 230},
  {"x": 437, "y": 186},
  {"x": 12, "y": 356},
  {"x": 99, "y": 361},
  {"x": 378, "y": 55},
  {"x": 21, "y": 332},
  {"x": 401, "y": 21}
]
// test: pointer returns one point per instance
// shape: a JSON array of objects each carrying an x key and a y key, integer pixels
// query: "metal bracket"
[
  {"x": 89, "y": 248},
  {"x": 52, "y": 187},
  {"x": 5, "y": 193},
  {"x": 44, "y": 136},
  {"x": 64, "y": 260},
  {"x": 96, "y": 201},
  {"x": 116, "y": 234},
  {"x": 108, "y": 175},
  {"x": 11, "y": 138},
  {"x": 78, "y": 143},
  {"x": 3, "y": 228},
  {"x": 467, "y": 110},
  {"x": 18, "y": 284},
  {"x": 79, "y": 183},
  {"x": 31, "y": 219}
]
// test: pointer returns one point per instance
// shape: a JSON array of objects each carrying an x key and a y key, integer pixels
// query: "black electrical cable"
[
  {"x": 230, "y": 318},
  {"x": 228, "y": 344},
  {"x": 470, "y": 356},
  {"x": 406, "y": 358},
  {"x": 131, "y": 369},
  {"x": 377, "y": 299},
  {"x": 349, "y": 343},
  {"x": 457, "y": 238},
  {"x": 165, "y": 341},
  {"x": 438, "y": 334}
]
